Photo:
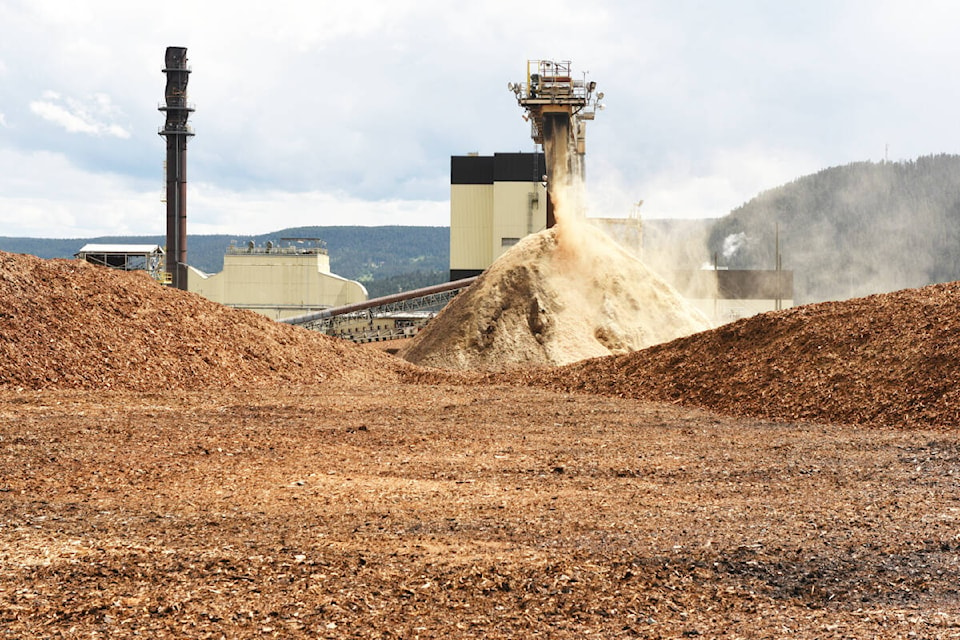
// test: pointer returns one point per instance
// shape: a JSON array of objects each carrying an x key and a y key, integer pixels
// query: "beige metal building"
[
  {"x": 494, "y": 201},
  {"x": 726, "y": 295},
  {"x": 277, "y": 281}
]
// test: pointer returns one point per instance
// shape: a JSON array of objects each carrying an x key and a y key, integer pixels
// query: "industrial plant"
[
  {"x": 289, "y": 278},
  {"x": 563, "y": 446},
  {"x": 495, "y": 201}
]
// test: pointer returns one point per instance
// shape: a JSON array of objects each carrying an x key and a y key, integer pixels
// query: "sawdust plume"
[{"x": 561, "y": 295}]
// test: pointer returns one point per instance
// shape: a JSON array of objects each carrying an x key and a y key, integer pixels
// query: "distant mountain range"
[
  {"x": 846, "y": 231},
  {"x": 386, "y": 259}
]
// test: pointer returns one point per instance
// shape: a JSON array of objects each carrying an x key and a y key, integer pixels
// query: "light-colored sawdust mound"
[{"x": 553, "y": 301}]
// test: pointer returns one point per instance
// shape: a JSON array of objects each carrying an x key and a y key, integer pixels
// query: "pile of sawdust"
[
  {"x": 558, "y": 296},
  {"x": 69, "y": 324},
  {"x": 888, "y": 359}
]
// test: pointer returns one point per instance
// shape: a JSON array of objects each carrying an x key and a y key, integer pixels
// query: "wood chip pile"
[
  {"x": 68, "y": 324},
  {"x": 552, "y": 299},
  {"x": 890, "y": 359},
  {"x": 216, "y": 490}
]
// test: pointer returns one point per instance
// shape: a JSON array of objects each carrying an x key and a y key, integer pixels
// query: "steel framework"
[{"x": 418, "y": 300}]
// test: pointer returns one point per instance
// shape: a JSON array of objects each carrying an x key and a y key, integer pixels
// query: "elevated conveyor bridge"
[{"x": 341, "y": 321}]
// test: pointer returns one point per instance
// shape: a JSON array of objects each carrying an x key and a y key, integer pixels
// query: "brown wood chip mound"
[
  {"x": 68, "y": 324},
  {"x": 890, "y": 359}
]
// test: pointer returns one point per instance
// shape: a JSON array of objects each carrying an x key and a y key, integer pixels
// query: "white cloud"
[
  {"x": 331, "y": 112},
  {"x": 42, "y": 194},
  {"x": 87, "y": 204},
  {"x": 91, "y": 116},
  {"x": 690, "y": 187},
  {"x": 216, "y": 210}
]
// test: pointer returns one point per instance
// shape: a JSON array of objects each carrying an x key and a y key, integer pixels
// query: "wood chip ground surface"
[
  {"x": 173, "y": 469},
  {"x": 422, "y": 511}
]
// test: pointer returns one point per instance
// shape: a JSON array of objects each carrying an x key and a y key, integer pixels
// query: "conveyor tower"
[{"x": 558, "y": 106}]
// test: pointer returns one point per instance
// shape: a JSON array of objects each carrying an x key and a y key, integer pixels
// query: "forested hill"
[
  {"x": 853, "y": 230},
  {"x": 386, "y": 259}
]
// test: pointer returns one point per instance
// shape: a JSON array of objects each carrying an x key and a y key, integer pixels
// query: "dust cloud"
[{"x": 559, "y": 296}]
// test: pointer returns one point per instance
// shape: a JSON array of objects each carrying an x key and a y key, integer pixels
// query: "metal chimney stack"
[{"x": 176, "y": 131}]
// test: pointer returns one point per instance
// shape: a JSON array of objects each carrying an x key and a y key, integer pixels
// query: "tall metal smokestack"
[{"x": 177, "y": 131}]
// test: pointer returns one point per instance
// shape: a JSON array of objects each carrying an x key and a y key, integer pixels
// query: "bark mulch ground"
[{"x": 170, "y": 468}]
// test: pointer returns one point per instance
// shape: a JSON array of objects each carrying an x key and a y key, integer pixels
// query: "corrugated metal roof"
[{"x": 119, "y": 248}]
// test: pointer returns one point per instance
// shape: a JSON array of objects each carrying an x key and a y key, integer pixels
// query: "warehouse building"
[
  {"x": 277, "y": 281},
  {"x": 126, "y": 257}
]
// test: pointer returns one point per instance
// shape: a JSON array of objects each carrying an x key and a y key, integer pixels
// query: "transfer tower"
[{"x": 557, "y": 106}]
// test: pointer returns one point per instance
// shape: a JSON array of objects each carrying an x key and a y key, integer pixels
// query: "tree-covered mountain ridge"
[{"x": 852, "y": 230}]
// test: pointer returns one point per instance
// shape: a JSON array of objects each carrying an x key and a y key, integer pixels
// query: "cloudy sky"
[{"x": 327, "y": 113}]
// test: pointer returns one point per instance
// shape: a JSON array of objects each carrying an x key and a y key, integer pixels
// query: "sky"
[{"x": 346, "y": 113}]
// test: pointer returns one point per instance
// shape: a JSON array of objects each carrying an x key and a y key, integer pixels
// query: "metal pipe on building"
[{"x": 177, "y": 131}]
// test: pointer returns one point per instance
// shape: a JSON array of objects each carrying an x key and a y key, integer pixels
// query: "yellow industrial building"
[
  {"x": 277, "y": 281},
  {"x": 494, "y": 201}
]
